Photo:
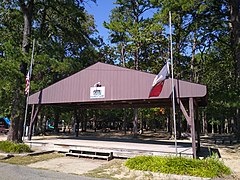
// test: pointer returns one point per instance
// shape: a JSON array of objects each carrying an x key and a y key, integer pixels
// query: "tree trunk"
[
  {"x": 135, "y": 121},
  {"x": 204, "y": 122},
  {"x": 13, "y": 130},
  {"x": 123, "y": 54},
  {"x": 237, "y": 122},
  {"x": 83, "y": 120},
  {"x": 76, "y": 122},
  {"x": 234, "y": 6},
  {"x": 27, "y": 10},
  {"x": 179, "y": 124},
  {"x": 56, "y": 121},
  {"x": 44, "y": 124},
  {"x": 26, "y": 34},
  {"x": 193, "y": 59},
  {"x": 95, "y": 121},
  {"x": 16, "y": 128},
  {"x": 169, "y": 122},
  {"x": 178, "y": 34},
  {"x": 136, "y": 59}
]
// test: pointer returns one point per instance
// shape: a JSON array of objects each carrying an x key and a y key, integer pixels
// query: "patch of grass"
[
  {"x": 208, "y": 168},
  {"x": 25, "y": 160},
  {"x": 10, "y": 147}
]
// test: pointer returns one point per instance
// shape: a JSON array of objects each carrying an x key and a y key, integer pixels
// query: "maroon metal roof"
[{"x": 122, "y": 85}]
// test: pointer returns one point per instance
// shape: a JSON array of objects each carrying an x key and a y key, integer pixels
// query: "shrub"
[
  {"x": 209, "y": 167},
  {"x": 10, "y": 147}
]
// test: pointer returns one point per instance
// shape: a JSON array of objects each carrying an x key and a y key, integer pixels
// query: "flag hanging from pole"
[
  {"x": 158, "y": 81},
  {"x": 27, "y": 83}
]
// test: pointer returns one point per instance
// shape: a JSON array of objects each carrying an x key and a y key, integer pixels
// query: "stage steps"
[{"x": 90, "y": 154}]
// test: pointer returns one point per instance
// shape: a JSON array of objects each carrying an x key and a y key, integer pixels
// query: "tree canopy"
[{"x": 206, "y": 46}]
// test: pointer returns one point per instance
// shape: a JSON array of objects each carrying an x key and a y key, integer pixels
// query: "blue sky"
[{"x": 101, "y": 12}]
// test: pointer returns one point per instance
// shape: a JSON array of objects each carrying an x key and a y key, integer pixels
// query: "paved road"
[{"x": 16, "y": 172}]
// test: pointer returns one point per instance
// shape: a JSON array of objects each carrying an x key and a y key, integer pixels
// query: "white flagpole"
[
  {"x": 30, "y": 74},
  {"x": 173, "y": 92}
]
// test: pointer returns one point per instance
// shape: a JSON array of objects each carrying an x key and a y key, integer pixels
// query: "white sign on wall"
[{"x": 97, "y": 92}]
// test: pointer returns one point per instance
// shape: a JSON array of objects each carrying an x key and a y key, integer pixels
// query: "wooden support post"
[
  {"x": 32, "y": 121},
  {"x": 191, "y": 114},
  {"x": 190, "y": 120},
  {"x": 124, "y": 121},
  {"x": 185, "y": 112},
  {"x": 76, "y": 124},
  {"x": 56, "y": 120},
  {"x": 141, "y": 124},
  {"x": 32, "y": 113},
  {"x": 95, "y": 120},
  {"x": 83, "y": 120}
]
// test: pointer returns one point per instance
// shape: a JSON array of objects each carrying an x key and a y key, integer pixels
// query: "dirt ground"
[
  {"x": 230, "y": 155},
  {"x": 71, "y": 165},
  {"x": 231, "y": 158},
  {"x": 114, "y": 169}
]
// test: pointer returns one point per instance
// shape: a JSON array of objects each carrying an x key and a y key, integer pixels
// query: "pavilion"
[{"x": 108, "y": 86}]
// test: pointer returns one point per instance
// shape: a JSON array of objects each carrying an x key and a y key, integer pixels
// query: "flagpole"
[
  {"x": 27, "y": 99},
  {"x": 173, "y": 92}
]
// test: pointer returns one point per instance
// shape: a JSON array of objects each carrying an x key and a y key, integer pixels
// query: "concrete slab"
[
  {"x": 69, "y": 165},
  {"x": 119, "y": 146}
]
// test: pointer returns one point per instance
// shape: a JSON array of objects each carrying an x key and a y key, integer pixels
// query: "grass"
[
  {"x": 209, "y": 168},
  {"x": 25, "y": 160},
  {"x": 10, "y": 147}
]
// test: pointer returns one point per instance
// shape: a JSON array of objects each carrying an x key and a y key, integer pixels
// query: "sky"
[{"x": 101, "y": 12}]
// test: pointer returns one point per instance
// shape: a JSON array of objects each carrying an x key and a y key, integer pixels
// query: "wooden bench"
[
  {"x": 90, "y": 154},
  {"x": 226, "y": 138}
]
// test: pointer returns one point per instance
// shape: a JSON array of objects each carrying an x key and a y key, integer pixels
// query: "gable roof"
[{"x": 121, "y": 85}]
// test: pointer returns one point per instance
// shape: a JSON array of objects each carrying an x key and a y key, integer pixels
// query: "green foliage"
[
  {"x": 63, "y": 32},
  {"x": 66, "y": 43},
  {"x": 10, "y": 147},
  {"x": 138, "y": 39},
  {"x": 209, "y": 167}
]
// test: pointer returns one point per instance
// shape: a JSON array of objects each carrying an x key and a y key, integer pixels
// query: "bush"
[
  {"x": 208, "y": 168},
  {"x": 10, "y": 147}
]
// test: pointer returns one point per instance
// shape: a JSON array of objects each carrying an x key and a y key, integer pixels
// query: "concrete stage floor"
[{"x": 122, "y": 147}]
